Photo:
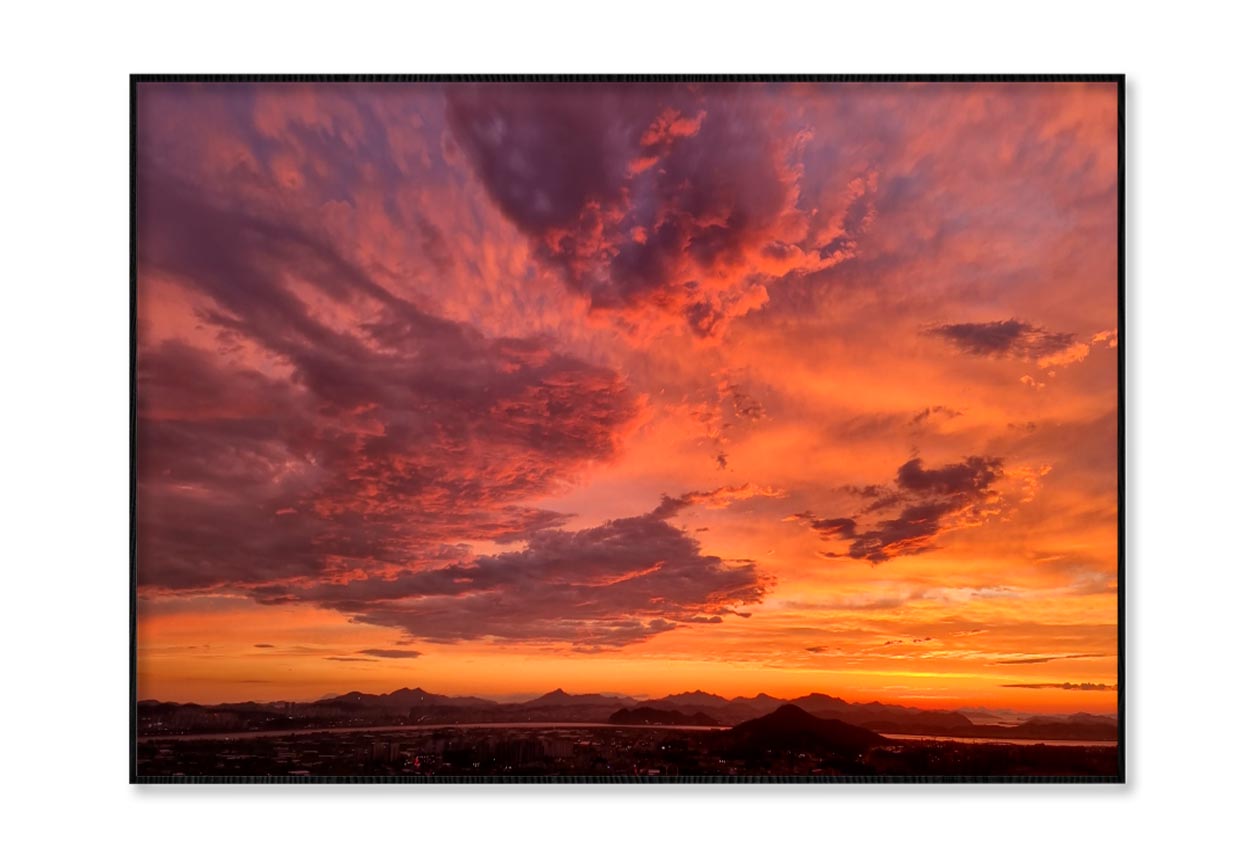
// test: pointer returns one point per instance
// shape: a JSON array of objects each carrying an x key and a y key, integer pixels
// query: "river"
[{"x": 1026, "y": 741}]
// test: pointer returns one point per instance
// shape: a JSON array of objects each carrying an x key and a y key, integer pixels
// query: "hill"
[
  {"x": 403, "y": 700},
  {"x": 647, "y": 716},
  {"x": 791, "y": 728},
  {"x": 560, "y": 698},
  {"x": 692, "y": 698}
]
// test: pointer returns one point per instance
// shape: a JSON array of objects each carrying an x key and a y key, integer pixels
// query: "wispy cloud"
[{"x": 1066, "y": 685}]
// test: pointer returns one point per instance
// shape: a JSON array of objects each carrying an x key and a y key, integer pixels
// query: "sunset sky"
[{"x": 493, "y": 389}]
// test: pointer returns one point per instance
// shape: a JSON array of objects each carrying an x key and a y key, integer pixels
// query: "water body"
[{"x": 1026, "y": 741}]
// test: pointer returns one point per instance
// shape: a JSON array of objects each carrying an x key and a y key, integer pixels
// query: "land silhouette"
[
  {"x": 411, "y": 732},
  {"x": 414, "y": 706},
  {"x": 573, "y": 735}
]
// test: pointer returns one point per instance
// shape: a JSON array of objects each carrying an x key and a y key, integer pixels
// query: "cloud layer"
[
  {"x": 611, "y": 585},
  {"x": 501, "y": 372},
  {"x": 656, "y": 203},
  {"x": 908, "y": 516}
]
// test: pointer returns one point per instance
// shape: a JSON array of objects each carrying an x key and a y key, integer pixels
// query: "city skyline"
[{"x": 491, "y": 389}]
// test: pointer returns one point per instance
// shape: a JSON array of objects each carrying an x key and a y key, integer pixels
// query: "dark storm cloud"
[
  {"x": 925, "y": 503},
  {"x": 661, "y": 196},
  {"x": 299, "y": 489},
  {"x": 969, "y": 477},
  {"x": 1002, "y": 338},
  {"x": 383, "y": 434},
  {"x": 390, "y": 440},
  {"x": 606, "y": 586},
  {"x": 544, "y": 152}
]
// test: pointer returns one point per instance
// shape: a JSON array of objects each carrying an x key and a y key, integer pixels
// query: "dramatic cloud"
[
  {"x": 503, "y": 372},
  {"x": 924, "y": 504},
  {"x": 1006, "y": 338},
  {"x": 611, "y": 585},
  {"x": 651, "y": 200},
  {"x": 363, "y": 434}
]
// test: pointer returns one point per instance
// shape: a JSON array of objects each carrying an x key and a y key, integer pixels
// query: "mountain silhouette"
[
  {"x": 793, "y": 728},
  {"x": 413, "y": 705},
  {"x": 818, "y": 702},
  {"x": 402, "y": 700},
  {"x": 693, "y": 698},
  {"x": 560, "y": 697},
  {"x": 648, "y": 716}
]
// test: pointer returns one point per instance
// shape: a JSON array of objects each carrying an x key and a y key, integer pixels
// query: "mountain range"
[
  {"x": 414, "y": 706},
  {"x": 645, "y": 715}
]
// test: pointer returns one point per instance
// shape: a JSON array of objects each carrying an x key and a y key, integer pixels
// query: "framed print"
[{"x": 627, "y": 429}]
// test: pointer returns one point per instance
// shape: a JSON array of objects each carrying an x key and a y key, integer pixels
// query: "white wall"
[{"x": 64, "y": 340}]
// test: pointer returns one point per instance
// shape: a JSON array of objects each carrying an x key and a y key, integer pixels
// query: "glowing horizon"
[{"x": 629, "y": 388}]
